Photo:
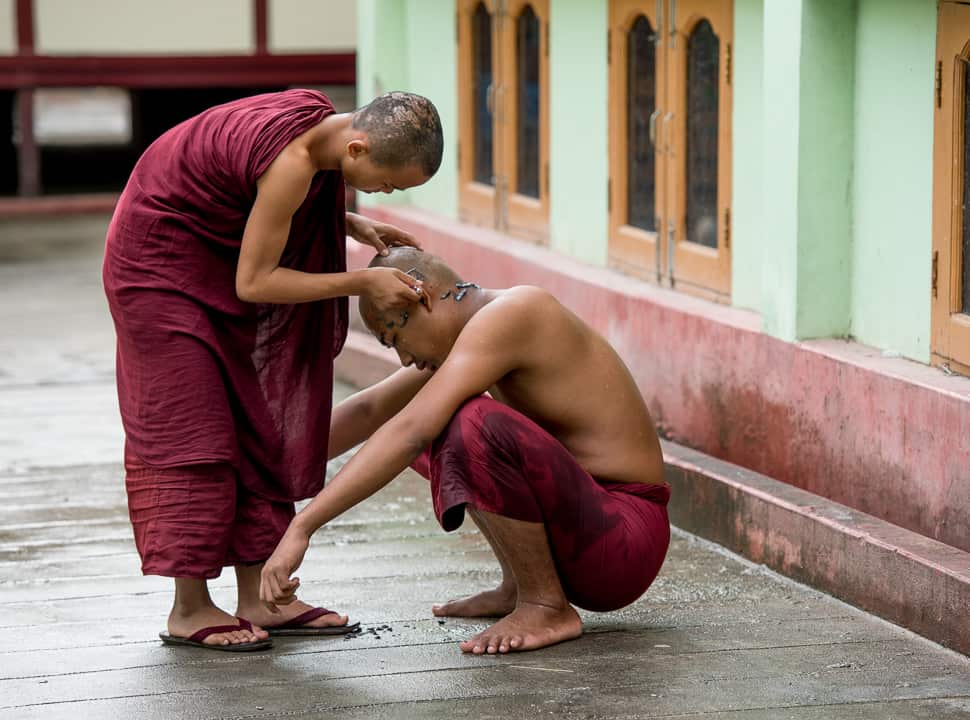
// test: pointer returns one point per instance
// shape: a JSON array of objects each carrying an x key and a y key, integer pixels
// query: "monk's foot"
[
  {"x": 261, "y": 615},
  {"x": 184, "y": 625},
  {"x": 528, "y": 627},
  {"x": 491, "y": 603}
]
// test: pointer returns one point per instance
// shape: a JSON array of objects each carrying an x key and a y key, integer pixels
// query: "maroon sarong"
[
  {"x": 193, "y": 520},
  {"x": 608, "y": 539},
  {"x": 204, "y": 377}
]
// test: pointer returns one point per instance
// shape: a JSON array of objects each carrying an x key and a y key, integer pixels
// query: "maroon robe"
[
  {"x": 204, "y": 377},
  {"x": 608, "y": 539}
]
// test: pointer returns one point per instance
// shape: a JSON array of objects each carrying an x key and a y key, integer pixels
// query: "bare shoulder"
[
  {"x": 515, "y": 313},
  {"x": 528, "y": 302}
]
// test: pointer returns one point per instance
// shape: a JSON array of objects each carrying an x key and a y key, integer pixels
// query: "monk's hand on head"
[
  {"x": 275, "y": 585},
  {"x": 377, "y": 234},
  {"x": 391, "y": 289}
]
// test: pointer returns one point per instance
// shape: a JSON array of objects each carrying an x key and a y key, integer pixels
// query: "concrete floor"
[{"x": 714, "y": 637}]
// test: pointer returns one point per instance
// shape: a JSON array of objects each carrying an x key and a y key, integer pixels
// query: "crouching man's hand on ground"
[{"x": 275, "y": 585}]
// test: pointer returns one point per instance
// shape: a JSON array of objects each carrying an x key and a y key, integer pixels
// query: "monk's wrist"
[
  {"x": 303, "y": 526},
  {"x": 357, "y": 282}
]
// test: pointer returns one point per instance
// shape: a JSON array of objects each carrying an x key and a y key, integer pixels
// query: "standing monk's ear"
[{"x": 357, "y": 147}]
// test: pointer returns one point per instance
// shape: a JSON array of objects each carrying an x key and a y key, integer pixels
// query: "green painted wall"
[
  {"x": 825, "y": 168},
  {"x": 578, "y": 132},
  {"x": 832, "y": 147},
  {"x": 807, "y": 136},
  {"x": 892, "y": 249},
  {"x": 780, "y": 132},
  {"x": 433, "y": 72},
  {"x": 381, "y": 45},
  {"x": 410, "y": 45},
  {"x": 747, "y": 210}
]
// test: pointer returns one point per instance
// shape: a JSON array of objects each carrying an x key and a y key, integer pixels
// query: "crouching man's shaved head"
[{"x": 432, "y": 324}]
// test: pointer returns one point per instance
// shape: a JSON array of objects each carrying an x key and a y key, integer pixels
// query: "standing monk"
[{"x": 226, "y": 278}]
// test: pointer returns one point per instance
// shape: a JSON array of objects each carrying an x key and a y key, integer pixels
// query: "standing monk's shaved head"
[{"x": 403, "y": 129}]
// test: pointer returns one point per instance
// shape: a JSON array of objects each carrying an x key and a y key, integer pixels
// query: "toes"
[
  {"x": 475, "y": 645},
  {"x": 515, "y": 643},
  {"x": 329, "y": 620}
]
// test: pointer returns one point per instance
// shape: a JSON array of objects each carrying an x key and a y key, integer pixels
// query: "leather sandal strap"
[{"x": 303, "y": 619}]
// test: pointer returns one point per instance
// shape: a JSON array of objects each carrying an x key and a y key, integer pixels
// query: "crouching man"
[{"x": 559, "y": 465}]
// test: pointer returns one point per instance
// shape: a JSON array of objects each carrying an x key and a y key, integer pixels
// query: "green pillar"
[
  {"x": 578, "y": 128},
  {"x": 808, "y": 83}
]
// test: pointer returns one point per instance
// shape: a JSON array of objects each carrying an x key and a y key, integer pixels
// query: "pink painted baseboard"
[{"x": 885, "y": 436}]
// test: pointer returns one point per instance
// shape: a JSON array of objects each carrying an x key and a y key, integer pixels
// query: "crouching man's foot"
[
  {"x": 491, "y": 603},
  {"x": 528, "y": 627}
]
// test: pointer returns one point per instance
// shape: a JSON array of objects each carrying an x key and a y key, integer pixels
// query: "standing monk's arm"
[{"x": 259, "y": 278}]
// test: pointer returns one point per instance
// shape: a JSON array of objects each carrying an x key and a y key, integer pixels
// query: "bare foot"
[
  {"x": 260, "y": 614},
  {"x": 184, "y": 626},
  {"x": 528, "y": 627},
  {"x": 491, "y": 603}
]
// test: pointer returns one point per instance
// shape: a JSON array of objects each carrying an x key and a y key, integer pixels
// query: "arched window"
[
  {"x": 669, "y": 193},
  {"x": 703, "y": 52},
  {"x": 503, "y": 115},
  {"x": 527, "y": 101},
  {"x": 641, "y": 61},
  {"x": 482, "y": 81}
]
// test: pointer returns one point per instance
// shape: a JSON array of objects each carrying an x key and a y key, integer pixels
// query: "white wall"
[
  {"x": 311, "y": 25},
  {"x": 8, "y": 27},
  {"x": 105, "y": 27}
]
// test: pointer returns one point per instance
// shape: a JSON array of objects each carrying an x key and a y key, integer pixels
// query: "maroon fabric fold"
[{"x": 203, "y": 376}]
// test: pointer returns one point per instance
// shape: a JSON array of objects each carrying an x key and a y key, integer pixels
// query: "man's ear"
[
  {"x": 357, "y": 147},
  {"x": 425, "y": 300}
]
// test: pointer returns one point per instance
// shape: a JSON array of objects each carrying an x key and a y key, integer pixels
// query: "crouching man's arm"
[
  {"x": 483, "y": 354},
  {"x": 359, "y": 416}
]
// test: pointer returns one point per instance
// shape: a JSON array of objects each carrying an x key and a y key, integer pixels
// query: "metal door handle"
[
  {"x": 653, "y": 127},
  {"x": 667, "y": 118}
]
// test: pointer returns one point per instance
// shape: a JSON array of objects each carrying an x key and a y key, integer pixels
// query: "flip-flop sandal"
[
  {"x": 195, "y": 639},
  {"x": 297, "y": 627}
]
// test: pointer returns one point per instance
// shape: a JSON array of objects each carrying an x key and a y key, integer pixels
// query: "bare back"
[{"x": 570, "y": 381}]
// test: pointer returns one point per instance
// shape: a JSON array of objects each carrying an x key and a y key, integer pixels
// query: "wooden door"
[
  {"x": 951, "y": 190},
  {"x": 636, "y": 143},
  {"x": 480, "y": 137},
  {"x": 525, "y": 118}
]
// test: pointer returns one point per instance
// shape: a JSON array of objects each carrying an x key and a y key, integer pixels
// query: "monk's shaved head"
[
  {"x": 403, "y": 129},
  {"x": 425, "y": 266},
  {"x": 429, "y": 269}
]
